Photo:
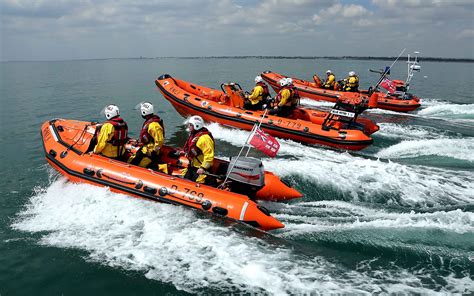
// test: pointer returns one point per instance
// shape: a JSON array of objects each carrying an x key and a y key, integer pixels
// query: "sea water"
[{"x": 394, "y": 217}]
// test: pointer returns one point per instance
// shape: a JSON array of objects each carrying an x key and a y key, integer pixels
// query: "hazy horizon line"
[{"x": 437, "y": 59}]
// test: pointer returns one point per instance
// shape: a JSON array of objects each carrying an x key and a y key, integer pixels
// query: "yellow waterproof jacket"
[
  {"x": 206, "y": 159},
  {"x": 103, "y": 146},
  {"x": 352, "y": 83},
  {"x": 285, "y": 98},
  {"x": 156, "y": 132},
  {"x": 257, "y": 95},
  {"x": 330, "y": 80}
]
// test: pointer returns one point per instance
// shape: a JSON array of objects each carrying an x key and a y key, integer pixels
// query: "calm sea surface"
[{"x": 395, "y": 217}]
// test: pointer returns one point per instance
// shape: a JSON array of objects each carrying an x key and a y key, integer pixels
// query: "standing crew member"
[
  {"x": 259, "y": 95},
  {"x": 151, "y": 138},
  {"x": 351, "y": 83},
  {"x": 287, "y": 99},
  {"x": 112, "y": 135},
  {"x": 199, "y": 148},
  {"x": 330, "y": 80}
]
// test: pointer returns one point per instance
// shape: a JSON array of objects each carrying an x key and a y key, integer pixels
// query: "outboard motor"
[{"x": 247, "y": 175}]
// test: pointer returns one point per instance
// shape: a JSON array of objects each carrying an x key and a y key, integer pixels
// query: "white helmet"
[
  {"x": 289, "y": 81},
  {"x": 196, "y": 121},
  {"x": 328, "y": 72},
  {"x": 283, "y": 82},
  {"x": 352, "y": 73},
  {"x": 111, "y": 111},
  {"x": 146, "y": 108},
  {"x": 258, "y": 79}
]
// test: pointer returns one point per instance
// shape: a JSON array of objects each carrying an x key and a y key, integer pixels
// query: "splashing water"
[
  {"x": 339, "y": 216},
  {"x": 398, "y": 131},
  {"x": 436, "y": 109},
  {"x": 172, "y": 244},
  {"x": 361, "y": 179},
  {"x": 465, "y": 111},
  {"x": 454, "y": 148}
]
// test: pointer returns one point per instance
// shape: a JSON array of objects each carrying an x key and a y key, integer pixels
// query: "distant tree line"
[{"x": 428, "y": 59}]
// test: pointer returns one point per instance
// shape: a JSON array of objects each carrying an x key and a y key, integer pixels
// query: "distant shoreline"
[
  {"x": 430, "y": 59},
  {"x": 423, "y": 59}
]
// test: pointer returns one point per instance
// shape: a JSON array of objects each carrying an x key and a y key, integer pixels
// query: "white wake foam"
[
  {"x": 390, "y": 112},
  {"x": 433, "y": 102},
  {"x": 455, "y": 148},
  {"x": 431, "y": 108},
  {"x": 323, "y": 216},
  {"x": 362, "y": 178},
  {"x": 406, "y": 132},
  {"x": 167, "y": 243},
  {"x": 172, "y": 244},
  {"x": 448, "y": 111}
]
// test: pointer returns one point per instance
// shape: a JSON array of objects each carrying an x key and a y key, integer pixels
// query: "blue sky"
[{"x": 85, "y": 29}]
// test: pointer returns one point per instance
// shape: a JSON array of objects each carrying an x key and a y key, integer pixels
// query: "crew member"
[
  {"x": 112, "y": 135},
  {"x": 286, "y": 100},
  {"x": 259, "y": 95},
  {"x": 330, "y": 80},
  {"x": 199, "y": 148},
  {"x": 351, "y": 83},
  {"x": 295, "y": 94},
  {"x": 150, "y": 140}
]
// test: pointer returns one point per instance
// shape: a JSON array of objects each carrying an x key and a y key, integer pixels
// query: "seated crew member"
[
  {"x": 330, "y": 80},
  {"x": 199, "y": 148},
  {"x": 112, "y": 135},
  {"x": 286, "y": 100},
  {"x": 259, "y": 95},
  {"x": 296, "y": 95},
  {"x": 351, "y": 83},
  {"x": 150, "y": 140}
]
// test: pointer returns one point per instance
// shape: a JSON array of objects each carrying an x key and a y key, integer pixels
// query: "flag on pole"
[
  {"x": 264, "y": 142},
  {"x": 388, "y": 85}
]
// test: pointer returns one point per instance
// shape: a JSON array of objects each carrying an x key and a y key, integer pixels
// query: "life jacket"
[
  {"x": 295, "y": 96},
  {"x": 293, "y": 99},
  {"x": 266, "y": 92},
  {"x": 330, "y": 84},
  {"x": 190, "y": 147},
  {"x": 145, "y": 137},
  {"x": 120, "y": 136},
  {"x": 353, "y": 84}
]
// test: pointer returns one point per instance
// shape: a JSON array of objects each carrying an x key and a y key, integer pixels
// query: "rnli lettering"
[
  {"x": 318, "y": 114},
  {"x": 174, "y": 90},
  {"x": 46, "y": 134}
]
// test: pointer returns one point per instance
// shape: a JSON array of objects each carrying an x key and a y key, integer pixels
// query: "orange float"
[
  {"x": 337, "y": 128},
  {"x": 313, "y": 90},
  {"x": 67, "y": 142}
]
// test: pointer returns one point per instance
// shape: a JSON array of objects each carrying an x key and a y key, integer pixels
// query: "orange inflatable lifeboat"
[
  {"x": 313, "y": 90},
  {"x": 338, "y": 128},
  {"x": 67, "y": 142}
]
